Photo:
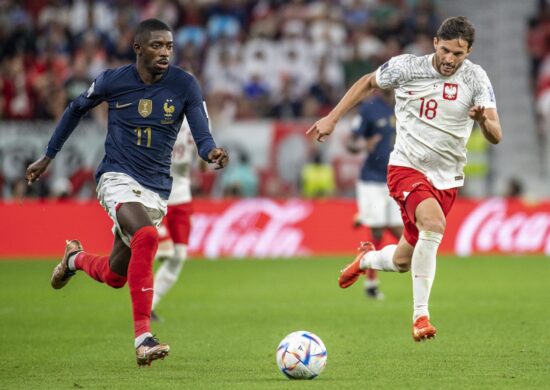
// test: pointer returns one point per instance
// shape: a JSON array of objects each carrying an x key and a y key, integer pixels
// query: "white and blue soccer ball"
[{"x": 301, "y": 355}]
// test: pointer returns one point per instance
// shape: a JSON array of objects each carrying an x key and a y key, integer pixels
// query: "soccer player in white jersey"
[
  {"x": 176, "y": 226},
  {"x": 438, "y": 98}
]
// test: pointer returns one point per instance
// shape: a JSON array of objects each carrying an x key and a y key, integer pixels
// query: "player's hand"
[
  {"x": 322, "y": 128},
  {"x": 36, "y": 169},
  {"x": 219, "y": 157},
  {"x": 477, "y": 113}
]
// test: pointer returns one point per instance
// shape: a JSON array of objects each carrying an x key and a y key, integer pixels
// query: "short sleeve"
[
  {"x": 483, "y": 91},
  {"x": 395, "y": 72}
]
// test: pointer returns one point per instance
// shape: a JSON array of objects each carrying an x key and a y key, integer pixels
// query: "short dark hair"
[
  {"x": 457, "y": 27},
  {"x": 145, "y": 27}
]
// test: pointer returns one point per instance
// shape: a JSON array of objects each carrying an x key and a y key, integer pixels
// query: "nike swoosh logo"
[
  {"x": 143, "y": 289},
  {"x": 119, "y": 106}
]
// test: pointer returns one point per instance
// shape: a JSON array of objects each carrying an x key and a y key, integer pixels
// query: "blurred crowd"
[
  {"x": 278, "y": 59},
  {"x": 254, "y": 58},
  {"x": 538, "y": 46}
]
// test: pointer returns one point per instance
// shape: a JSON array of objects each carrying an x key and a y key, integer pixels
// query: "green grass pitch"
[{"x": 224, "y": 320}]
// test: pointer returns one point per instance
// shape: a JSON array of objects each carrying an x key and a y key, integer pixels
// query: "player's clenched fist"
[{"x": 219, "y": 157}]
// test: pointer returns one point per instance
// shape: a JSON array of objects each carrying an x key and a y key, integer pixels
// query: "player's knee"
[
  {"x": 115, "y": 281},
  {"x": 148, "y": 235},
  {"x": 431, "y": 224}
]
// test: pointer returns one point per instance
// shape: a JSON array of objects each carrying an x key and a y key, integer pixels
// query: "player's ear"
[
  {"x": 435, "y": 43},
  {"x": 137, "y": 48}
]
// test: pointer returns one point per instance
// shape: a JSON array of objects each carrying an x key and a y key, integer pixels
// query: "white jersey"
[
  {"x": 182, "y": 159},
  {"x": 433, "y": 125}
]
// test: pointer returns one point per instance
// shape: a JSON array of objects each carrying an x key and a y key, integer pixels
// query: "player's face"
[
  {"x": 449, "y": 55},
  {"x": 155, "y": 53}
]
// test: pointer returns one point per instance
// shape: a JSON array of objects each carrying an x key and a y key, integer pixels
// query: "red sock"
[
  {"x": 144, "y": 245},
  {"x": 98, "y": 268}
]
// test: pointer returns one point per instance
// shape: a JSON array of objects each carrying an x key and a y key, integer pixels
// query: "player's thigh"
[
  {"x": 429, "y": 216},
  {"x": 129, "y": 205},
  {"x": 132, "y": 216},
  {"x": 371, "y": 201}
]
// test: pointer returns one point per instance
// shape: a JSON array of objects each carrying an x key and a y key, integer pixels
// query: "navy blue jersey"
[
  {"x": 376, "y": 117},
  {"x": 144, "y": 121}
]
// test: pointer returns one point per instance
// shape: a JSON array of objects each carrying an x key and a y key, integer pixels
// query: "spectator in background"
[
  {"x": 317, "y": 178},
  {"x": 17, "y": 90},
  {"x": 240, "y": 179},
  {"x": 477, "y": 166},
  {"x": 268, "y": 68},
  {"x": 514, "y": 188}
]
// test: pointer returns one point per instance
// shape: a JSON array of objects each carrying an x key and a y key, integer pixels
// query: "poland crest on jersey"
[{"x": 450, "y": 91}]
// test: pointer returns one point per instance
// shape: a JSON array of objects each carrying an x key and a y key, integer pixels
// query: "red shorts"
[
  {"x": 409, "y": 187},
  {"x": 178, "y": 223}
]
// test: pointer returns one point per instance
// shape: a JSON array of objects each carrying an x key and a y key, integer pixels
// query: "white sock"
[
  {"x": 141, "y": 338},
  {"x": 381, "y": 260},
  {"x": 71, "y": 260},
  {"x": 423, "y": 270},
  {"x": 168, "y": 273},
  {"x": 370, "y": 283}
]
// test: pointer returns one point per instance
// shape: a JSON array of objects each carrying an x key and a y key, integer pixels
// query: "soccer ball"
[{"x": 301, "y": 355}]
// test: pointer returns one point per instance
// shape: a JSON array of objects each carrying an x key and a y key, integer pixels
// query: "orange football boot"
[
  {"x": 351, "y": 273},
  {"x": 422, "y": 329}
]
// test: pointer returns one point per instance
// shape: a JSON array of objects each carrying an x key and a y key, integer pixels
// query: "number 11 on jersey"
[{"x": 147, "y": 132}]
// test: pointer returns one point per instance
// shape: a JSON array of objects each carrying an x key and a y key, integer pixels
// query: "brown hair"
[{"x": 457, "y": 27}]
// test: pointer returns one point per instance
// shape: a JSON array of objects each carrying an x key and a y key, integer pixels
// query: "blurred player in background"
[
  {"x": 373, "y": 131},
  {"x": 147, "y": 102},
  {"x": 176, "y": 226},
  {"x": 438, "y": 98}
]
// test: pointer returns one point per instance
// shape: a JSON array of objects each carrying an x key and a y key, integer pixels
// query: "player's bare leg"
[
  {"x": 134, "y": 219},
  {"x": 430, "y": 221}
]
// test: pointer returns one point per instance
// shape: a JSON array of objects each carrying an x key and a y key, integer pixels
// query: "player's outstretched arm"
[
  {"x": 37, "y": 168},
  {"x": 219, "y": 157},
  {"x": 357, "y": 92},
  {"x": 488, "y": 121}
]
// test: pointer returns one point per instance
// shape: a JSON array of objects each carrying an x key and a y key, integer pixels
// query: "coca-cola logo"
[
  {"x": 490, "y": 227},
  {"x": 251, "y": 228}
]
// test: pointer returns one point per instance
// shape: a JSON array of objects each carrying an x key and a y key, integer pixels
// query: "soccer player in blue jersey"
[
  {"x": 373, "y": 131},
  {"x": 147, "y": 103}
]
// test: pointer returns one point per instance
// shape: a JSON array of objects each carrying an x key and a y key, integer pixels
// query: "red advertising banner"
[{"x": 269, "y": 228}]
